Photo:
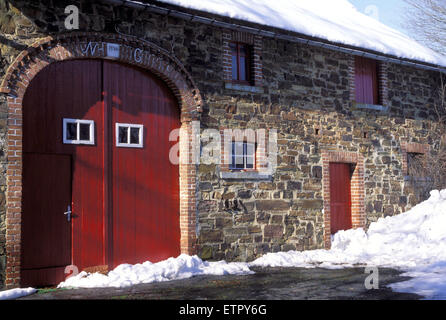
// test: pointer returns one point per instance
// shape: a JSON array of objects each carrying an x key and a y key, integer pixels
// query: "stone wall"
[{"x": 305, "y": 96}]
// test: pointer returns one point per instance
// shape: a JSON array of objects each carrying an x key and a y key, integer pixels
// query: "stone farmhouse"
[{"x": 102, "y": 118}]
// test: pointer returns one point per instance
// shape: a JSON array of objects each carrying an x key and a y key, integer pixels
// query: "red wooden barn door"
[
  {"x": 340, "y": 197},
  {"x": 125, "y": 200},
  {"x": 47, "y": 194},
  {"x": 145, "y": 184},
  {"x": 70, "y": 89}
]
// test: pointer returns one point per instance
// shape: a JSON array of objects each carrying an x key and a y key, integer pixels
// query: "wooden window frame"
[
  {"x": 78, "y": 141},
  {"x": 129, "y": 126},
  {"x": 248, "y": 67}
]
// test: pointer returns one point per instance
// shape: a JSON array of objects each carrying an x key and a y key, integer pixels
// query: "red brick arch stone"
[{"x": 132, "y": 51}]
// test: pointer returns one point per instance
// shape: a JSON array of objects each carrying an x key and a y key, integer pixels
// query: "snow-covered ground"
[
  {"x": 334, "y": 20},
  {"x": 182, "y": 267},
  {"x": 16, "y": 293},
  {"x": 414, "y": 241}
]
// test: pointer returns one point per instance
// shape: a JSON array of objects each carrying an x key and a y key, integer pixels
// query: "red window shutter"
[
  {"x": 366, "y": 81},
  {"x": 359, "y": 80}
]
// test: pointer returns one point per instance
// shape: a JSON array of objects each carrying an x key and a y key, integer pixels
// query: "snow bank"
[
  {"x": 182, "y": 267},
  {"x": 428, "y": 281},
  {"x": 411, "y": 239},
  {"x": 414, "y": 241},
  {"x": 16, "y": 293},
  {"x": 335, "y": 20}
]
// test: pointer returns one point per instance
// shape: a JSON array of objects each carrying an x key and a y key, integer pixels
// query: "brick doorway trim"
[
  {"x": 357, "y": 188},
  {"x": 411, "y": 147},
  {"x": 124, "y": 49}
]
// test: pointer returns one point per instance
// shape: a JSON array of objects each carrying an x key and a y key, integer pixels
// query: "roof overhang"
[{"x": 218, "y": 21}]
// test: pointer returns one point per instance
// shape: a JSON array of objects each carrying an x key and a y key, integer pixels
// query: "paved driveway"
[{"x": 266, "y": 283}]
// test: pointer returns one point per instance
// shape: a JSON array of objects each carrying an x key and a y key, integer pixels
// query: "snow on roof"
[{"x": 334, "y": 20}]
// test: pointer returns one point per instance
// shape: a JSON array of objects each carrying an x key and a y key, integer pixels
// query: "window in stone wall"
[
  {"x": 366, "y": 81},
  {"x": 241, "y": 62},
  {"x": 415, "y": 165},
  {"x": 419, "y": 175},
  {"x": 243, "y": 156}
]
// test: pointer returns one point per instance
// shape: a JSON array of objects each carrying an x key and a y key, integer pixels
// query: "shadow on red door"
[{"x": 124, "y": 200}]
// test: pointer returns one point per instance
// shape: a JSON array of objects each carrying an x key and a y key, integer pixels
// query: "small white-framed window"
[
  {"x": 78, "y": 131},
  {"x": 243, "y": 155},
  {"x": 129, "y": 135}
]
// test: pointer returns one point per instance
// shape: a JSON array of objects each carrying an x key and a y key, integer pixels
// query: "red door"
[
  {"x": 70, "y": 89},
  {"x": 47, "y": 195},
  {"x": 125, "y": 200},
  {"x": 340, "y": 198},
  {"x": 145, "y": 184}
]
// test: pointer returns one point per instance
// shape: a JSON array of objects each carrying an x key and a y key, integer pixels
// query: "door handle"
[{"x": 68, "y": 213}]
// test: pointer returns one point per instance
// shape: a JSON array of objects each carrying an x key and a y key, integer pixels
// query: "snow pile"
[
  {"x": 428, "y": 281},
  {"x": 414, "y": 241},
  {"x": 335, "y": 20},
  {"x": 182, "y": 267},
  {"x": 16, "y": 293},
  {"x": 411, "y": 239}
]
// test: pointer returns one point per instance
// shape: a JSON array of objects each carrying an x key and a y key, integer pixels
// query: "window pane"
[
  {"x": 250, "y": 149},
  {"x": 234, "y": 61},
  {"x": 84, "y": 131},
  {"x": 239, "y": 162},
  {"x": 233, "y": 47},
  {"x": 134, "y": 135},
  {"x": 250, "y": 162},
  {"x": 71, "y": 133},
  {"x": 242, "y": 50},
  {"x": 243, "y": 69},
  {"x": 123, "y": 135},
  {"x": 238, "y": 149},
  {"x": 234, "y": 68}
]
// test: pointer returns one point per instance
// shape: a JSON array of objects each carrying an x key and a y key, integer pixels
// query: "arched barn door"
[{"x": 98, "y": 187}]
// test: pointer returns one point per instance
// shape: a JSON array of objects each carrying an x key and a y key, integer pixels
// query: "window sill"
[
  {"x": 375, "y": 107},
  {"x": 416, "y": 179},
  {"x": 244, "y": 175},
  {"x": 243, "y": 87}
]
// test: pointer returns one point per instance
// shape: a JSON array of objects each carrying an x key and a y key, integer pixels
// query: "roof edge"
[{"x": 291, "y": 36}]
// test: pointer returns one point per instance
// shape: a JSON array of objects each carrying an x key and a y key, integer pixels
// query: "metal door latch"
[{"x": 68, "y": 213}]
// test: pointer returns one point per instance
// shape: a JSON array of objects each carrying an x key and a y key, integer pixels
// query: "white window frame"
[
  {"x": 78, "y": 140},
  {"x": 129, "y": 126},
  {"x": 244, "y": 155}
]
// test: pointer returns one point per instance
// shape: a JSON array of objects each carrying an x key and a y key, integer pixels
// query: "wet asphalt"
[{"x": 264, "y": 284}]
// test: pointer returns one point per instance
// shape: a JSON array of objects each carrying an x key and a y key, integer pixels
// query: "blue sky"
[{"x": 389, "y": 12}]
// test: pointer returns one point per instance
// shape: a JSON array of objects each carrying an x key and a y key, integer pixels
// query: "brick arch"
[{"x": 131, "y": 51}]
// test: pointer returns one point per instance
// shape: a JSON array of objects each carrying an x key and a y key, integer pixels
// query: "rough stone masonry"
[{"x": 305, "y": 93}]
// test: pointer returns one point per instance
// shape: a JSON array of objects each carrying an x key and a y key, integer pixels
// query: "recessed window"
[
  {"x": 366, "y": 81},
  {"x": 415, "y": 164},
  {"x": 129, "y": 135},
  {"x": 78, "y": 131},
  {"x": 241, "y": 70},
  {"x": 243, "y": 156}
]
